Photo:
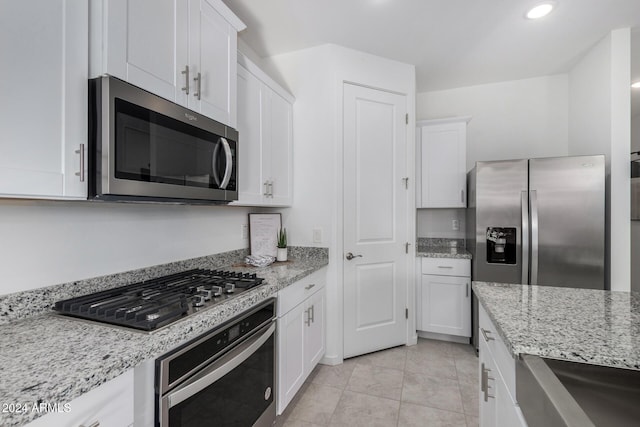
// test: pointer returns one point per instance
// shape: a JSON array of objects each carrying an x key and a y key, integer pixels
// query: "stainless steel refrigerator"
[{"x": 538, "y": 222}]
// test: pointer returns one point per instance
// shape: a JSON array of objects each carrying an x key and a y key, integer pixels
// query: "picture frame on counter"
[{"x": 263, "y": 233}]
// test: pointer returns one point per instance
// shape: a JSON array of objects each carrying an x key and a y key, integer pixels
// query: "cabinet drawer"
[
  {"x": 446, "y": 266},
  {"x": 296, "y": 293},
  {"x": 505, "y": 362}
]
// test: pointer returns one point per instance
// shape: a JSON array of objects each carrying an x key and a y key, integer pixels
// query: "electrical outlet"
[
  {"x": 244, "y": 231},
  {"x": 317, "y": 235},
  {"x": 455, "y": 224}
]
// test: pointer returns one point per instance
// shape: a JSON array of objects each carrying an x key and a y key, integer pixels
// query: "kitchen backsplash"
[{"x": 430, "y": 242}]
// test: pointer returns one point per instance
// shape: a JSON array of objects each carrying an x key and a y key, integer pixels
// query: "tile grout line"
[{"x": 404, "y": 372}]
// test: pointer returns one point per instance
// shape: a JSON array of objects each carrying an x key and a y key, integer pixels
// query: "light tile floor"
[{"x": 431, "y": 384}]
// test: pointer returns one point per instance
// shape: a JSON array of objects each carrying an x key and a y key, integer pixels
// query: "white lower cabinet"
[
  {"x": 110, "y": 405},
  {"x": 445, "y": 296},
  {"x": 301, "y": 334},
  {"x": 498, "y": 405}
]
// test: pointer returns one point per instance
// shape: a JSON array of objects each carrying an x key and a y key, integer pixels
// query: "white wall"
[
  {"x": 510, "y": 120},
  {"x": 437, "y": 223},
  {"x": 599, "y": 123},
  {"x": 315, "y": 77},
  {"x": 46, "y": 242}
]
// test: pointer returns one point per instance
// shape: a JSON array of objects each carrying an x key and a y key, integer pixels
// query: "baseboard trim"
[
  {"x": 331, "y": 360},
  {"x": 444, "y": 337}
]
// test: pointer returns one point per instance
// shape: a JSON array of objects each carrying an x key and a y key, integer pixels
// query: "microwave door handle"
[
  {"x": 220, "y": 368},
  {"x": 214, "y": 161},
  {"x": 229, "y": 164}
]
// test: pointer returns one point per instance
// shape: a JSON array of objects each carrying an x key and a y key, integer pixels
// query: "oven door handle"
[{"x": 220, "y": 368}]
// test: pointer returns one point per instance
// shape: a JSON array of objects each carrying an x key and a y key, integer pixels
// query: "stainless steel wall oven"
[
  {"x": 144, "y": 147},
  {"x": 225, "y": 377}
]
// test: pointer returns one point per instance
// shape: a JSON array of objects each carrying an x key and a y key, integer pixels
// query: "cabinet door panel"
[
  {"x": 111, "y": 405},
  {"x": 265, "y": 124},
  {"x": 291, "y": 374},
  {"x": 250, "y": 148},
  {"x": 443, "y": 165},
  {"x": 446, "y": 305},
  {"x": 281, "y": 150},
  {"x": 148, "y": 49},
  {"x": 43, "y": 117},
  {"x": 487, "y": 406},
  {"x": 212, "y": 53},
  {"x": 314, "y": 332}
]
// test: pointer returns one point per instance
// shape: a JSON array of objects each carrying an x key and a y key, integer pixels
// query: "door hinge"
[
  {"x": 406, "y": 118},
  {"x": 406, "y": 313}
]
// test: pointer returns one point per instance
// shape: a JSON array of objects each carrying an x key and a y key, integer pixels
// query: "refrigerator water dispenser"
[{"x": 501, "y": 245}]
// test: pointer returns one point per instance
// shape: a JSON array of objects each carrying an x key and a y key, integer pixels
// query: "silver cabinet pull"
[
  {"x": 351, "y": 256},
  {"x": 96, "y": 424},
  {"x": 80, "y": 151},
  {"x": 266, "y": 188},
  {"x": 310, "y": 286},
  {"x": 445, "y": 266},
  {"x": 484, "y": 383},
  {"x": 467, "y": 290},
  {"x": 198, "y": 81},
  {"x": 186, "y": 79},
  {"x": 313, "y": 313},
  {"x": 271, "y": 188},
  {"x": 462, "y": 196},
  {"x": 485, "y": 334},
  {"x": 308, "y": 312}
]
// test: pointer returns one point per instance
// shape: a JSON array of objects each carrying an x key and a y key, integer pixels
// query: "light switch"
[
  {"x": 244, "y": 231},
  {"x": 317, "y": 235},
  {"x": 455, "y": 224}
]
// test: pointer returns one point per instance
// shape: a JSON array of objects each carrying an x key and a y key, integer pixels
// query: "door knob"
[{"x": 351, "y": 256}]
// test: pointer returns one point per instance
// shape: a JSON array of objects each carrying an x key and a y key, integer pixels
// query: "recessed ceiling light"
[
  {"x": 636, "y": 85},
  {"x": 540, "y": 10}
]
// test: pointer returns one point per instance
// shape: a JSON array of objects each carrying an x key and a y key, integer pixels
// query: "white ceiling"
[{"x": 453, "y": 43}]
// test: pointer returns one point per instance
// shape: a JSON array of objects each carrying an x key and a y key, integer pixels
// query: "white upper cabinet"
[
  {"x": 43, "y": 113},
  {"x": 442, "y": 157},
  {"x": 265, "y": 147},
  {"x": 212, "y": 59},
  {"x": 182, "y": 50}
]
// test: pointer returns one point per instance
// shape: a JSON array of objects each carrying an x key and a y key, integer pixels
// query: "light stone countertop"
[
  {"x": 581, "y": 325},
  {"x": 54, "y": 359},
  {"x": 443, "y": 252}
]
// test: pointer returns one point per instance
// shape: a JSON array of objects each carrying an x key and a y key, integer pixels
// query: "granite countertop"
[
  {"x": 443, "y": 252},
  {"x": 54, "y": 359},
  {"x": 580, "y": 325}
]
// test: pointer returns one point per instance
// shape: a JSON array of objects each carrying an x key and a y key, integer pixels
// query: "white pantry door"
[{"x": 375, "y": 220}]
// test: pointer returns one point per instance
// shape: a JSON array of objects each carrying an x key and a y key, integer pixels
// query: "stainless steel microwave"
[{"x": 145, "y": 148}]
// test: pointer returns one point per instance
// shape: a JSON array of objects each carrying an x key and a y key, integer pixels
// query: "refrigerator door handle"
[
  {"x": 524, "y": 209},
  {"x": 534, "y": 237}
]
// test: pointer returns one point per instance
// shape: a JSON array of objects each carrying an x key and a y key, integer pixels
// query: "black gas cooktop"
[{"x": 157, "y": 302}]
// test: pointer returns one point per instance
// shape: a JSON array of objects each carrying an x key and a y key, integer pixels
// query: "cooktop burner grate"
[{"x": 154, "y": 303}]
